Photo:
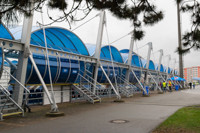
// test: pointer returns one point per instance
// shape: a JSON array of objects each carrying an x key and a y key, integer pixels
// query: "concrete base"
[
  {"x": 118, "y": 101},
  {"x": 55, "y": 114},
  {"x": 146, "y": 95}
]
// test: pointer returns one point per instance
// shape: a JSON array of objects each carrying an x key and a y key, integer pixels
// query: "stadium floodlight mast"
[{"x": 179, "y": 41}]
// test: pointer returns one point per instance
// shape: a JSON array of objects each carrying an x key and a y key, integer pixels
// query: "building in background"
[{"x": 191, "y": 72}]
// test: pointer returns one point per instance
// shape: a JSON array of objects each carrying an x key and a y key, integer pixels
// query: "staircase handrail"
[
  {"x": 17, "y": 80},
  {"x": 93, "y": 79},
  {"x": 2, "y": 88},
  {"x": 87, "y": 80}
]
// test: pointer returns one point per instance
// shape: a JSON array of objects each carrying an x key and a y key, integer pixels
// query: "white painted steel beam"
[
  {"x": 130, "y": 58},
  {"x": 148, "y": 61},
  {"x": 157, "y": 86},
  {"x": 116, "y": 92},
  {"x": 139, "y": 82},
  {"x": 18, "y": 90},
  {"x": 98, "y": 47}
]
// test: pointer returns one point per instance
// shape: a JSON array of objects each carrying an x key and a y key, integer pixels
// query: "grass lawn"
[{"x": 185, "y": 120}]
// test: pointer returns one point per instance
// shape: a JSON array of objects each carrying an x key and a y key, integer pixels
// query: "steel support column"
[
  {"x": 159, "y": 63},
  {"x": 148, "y": 62},
  {"x": 169, "y": 59},
  {"x": 23, "y": 58},
  {"x": 98, "y": 47},
  {"x": 130, "y": 58}
]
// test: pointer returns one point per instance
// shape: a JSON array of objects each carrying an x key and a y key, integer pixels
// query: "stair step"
[
  {"x": 7, "y": 104},
  {"x": 4, "y": 100},
  {"x": 14, "y": 113},
  {"x": 96, "y": 101},
  {"x": 9, "y": 109},
  {"x": 2, "y": 96}
]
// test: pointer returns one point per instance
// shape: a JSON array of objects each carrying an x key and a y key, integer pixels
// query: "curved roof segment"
[
  {"x": 105, "y": 52},
  {"x": 151, "y": 64},
  {"x": 17, "y": 30},
  {"x": 161, "y": 67},
  {"x": 136, "y": 61},
  {"x": 165, "y": 69},
  {"x": 60, "y": 39},
  {"x": 5, "y": 33}
]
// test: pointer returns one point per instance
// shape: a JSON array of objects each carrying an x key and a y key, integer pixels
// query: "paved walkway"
[{"x": 143, "y": 115}]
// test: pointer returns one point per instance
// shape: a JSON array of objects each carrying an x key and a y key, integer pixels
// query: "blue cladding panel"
[
  {"x": 41, "y": 64},
  {"x": 64, "y": 72},
  {"x": 64, "y": 68},
  {"x": 54, "y": 66},
  {"x": 1, "y": 59},
  {"x": 74, "y": 71},
  {"x": 169, "y": 70},
  {"x": 100, "y": 74},
  {"x": 4, "y": 33},
  {"x": 103, "y": 78}
]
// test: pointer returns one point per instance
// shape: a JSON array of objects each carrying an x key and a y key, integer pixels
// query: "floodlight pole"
[
  {"x": 179, "y": 40},
  {"x": 23, "y": 58},
  {"x": 130, "y": 58},
  {"x": 98, "y": 47}
]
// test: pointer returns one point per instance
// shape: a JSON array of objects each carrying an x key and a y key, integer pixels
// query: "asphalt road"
[{"x": 142, "y": 114}]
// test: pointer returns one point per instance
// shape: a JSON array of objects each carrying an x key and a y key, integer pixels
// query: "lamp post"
[{"x": 179, "y": 41}]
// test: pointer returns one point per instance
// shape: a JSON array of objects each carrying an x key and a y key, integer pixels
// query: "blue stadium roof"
[
  {"x": 136, "y": 61},
  {"x": 165, "y": 69},
  {"x": 60, "y": 39},
  {"x": 151, "y": 64},
  {"x": 57, "y": 38},
  {"x": 105, "y": 52},
  {"x": 5, "y": 33},
  {"x": 161, "y": 67}
]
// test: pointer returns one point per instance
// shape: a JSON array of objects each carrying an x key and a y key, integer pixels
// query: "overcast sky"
[{"x": 163, "y": 35}]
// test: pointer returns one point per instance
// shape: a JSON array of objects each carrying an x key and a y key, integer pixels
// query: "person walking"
[
  {"x": 164, "y": 86},
  {"x": 170, "y": 86},
  {"x": 193, "y": 85},
  {"x": 161, "y": 86},
  {"x": 190, "y": 84}
]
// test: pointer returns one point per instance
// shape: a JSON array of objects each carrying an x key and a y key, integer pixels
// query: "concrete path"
[{"x": 143, "y": 115}]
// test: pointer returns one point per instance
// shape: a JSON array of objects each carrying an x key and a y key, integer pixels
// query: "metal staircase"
[
  {"x": 8, "y": 106},
  {"x": 127, "y": 89},
  {"x": 84, "y": 88}
]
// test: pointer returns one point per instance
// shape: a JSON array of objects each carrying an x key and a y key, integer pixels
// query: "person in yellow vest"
[
  {"x": 164, "y": 86},
  {"x": 170, "y": 86}
]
